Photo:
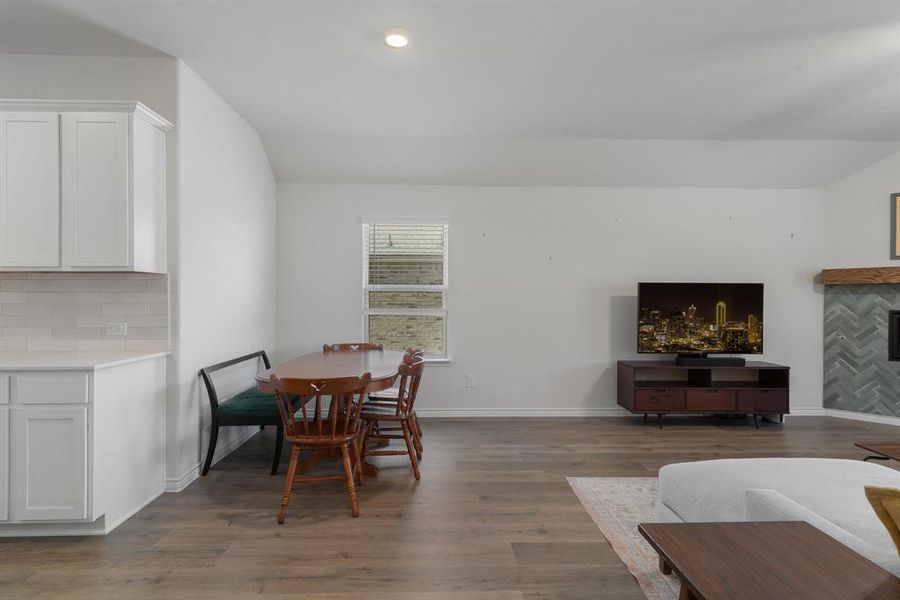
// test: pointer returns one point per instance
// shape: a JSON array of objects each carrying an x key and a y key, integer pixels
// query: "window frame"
[{"x": 442, "y": 312}]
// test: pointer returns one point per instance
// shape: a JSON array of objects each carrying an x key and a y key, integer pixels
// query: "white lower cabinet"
[
  {"x": 50, "y": 457},
  {"x": 81, "y": 449},
  {"x": 4, "y": 462}
]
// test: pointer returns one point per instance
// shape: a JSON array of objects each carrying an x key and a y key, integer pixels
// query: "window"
[{"x": 405, "y": 286}]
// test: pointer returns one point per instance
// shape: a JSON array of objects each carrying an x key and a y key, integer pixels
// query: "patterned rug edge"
[{"x": 653, "y": 584}]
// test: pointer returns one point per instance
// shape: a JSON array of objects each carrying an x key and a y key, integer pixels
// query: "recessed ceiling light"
[{"x": 396, "y": 38}]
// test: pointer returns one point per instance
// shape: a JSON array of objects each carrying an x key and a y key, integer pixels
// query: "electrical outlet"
[
  {"x": 116, "y": 328},
  {"x": 470, "y": 381}
]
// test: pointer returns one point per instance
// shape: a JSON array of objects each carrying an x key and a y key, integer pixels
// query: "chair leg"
[
  {"x": 419, "y": 433},
  {"x": 416, "y": 437},
  {"x": 409, "y": 447},
  {"x": 213, "y": 438},
  {"x": 289, "y": 482},
  {"x": 279, "y": 442},
  {"x": 357, "y": 465},
  {"x": 348, "y": 477}
]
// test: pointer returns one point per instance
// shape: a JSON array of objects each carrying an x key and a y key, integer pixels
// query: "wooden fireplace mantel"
[{"x": 864, "y": 275}]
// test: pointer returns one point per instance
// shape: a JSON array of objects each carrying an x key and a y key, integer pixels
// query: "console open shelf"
[{"x": 662, "y": 387}]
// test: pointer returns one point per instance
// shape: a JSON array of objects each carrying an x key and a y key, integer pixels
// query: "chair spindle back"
[{"x": 300, "y": 422}]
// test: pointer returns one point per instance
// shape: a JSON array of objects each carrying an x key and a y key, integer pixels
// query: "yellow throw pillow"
[{"x": 886, "y": 502}]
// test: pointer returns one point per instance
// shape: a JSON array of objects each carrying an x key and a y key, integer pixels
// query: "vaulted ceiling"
[{"x": 671, "y": 92}]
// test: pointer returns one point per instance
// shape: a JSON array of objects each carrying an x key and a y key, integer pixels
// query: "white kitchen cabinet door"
[
  {"x": 95, "y": 190},
  {"x": 4, "y": 463},
  {"x": 50, "y": 458},
  {"x": 29, "y": 189}
]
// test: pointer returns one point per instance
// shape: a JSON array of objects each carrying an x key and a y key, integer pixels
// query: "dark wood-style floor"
[{"x": 492, "y": 518}]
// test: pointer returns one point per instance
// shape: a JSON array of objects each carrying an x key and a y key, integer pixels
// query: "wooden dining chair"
[
  {"x": 400, "y": 413},
  {"x": 307, "y": 428},
  {"x": 352, "y": 347},
  {"x": 388, "y": 397}
]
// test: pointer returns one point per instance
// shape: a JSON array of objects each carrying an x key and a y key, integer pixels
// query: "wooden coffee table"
[
  {"x": 787, "y": 559},
  {"x": 881, "y": 450}
]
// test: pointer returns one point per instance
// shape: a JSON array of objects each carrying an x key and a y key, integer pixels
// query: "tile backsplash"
[{"x": 69, "y": 312}]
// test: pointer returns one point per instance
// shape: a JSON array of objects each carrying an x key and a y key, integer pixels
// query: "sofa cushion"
[
  {"x": 832, "y": 488},
  {"x": 769, "y": 505}
]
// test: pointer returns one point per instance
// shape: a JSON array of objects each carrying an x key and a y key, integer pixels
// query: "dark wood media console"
[{"x": 661, "y": 387}]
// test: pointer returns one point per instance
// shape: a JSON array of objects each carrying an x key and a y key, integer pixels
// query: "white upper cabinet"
[
  {"x": 29, "y": 189},
  {"x": 95, "y": 194},
  {"x": 83, "y": 187}
]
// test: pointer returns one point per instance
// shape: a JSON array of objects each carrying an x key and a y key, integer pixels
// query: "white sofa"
[{"x": 826, "y": 493}]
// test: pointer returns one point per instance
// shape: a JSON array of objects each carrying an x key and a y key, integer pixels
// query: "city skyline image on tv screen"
[{"x": 700, "y": 318}]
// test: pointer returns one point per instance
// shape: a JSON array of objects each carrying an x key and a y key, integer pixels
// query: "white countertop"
[{"x": 70, "y": 361}]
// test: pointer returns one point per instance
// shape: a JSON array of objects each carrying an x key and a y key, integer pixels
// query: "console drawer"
[
  {"x": 763, "y": 401},
  {"x": 710, "y": 400},
  {"x": 659, "y": 400}
]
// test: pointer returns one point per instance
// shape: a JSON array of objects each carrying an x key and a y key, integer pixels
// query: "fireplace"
[{"x": 894, "y": 335}]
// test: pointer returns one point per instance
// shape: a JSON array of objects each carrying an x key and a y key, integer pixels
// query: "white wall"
[
  {"x": 542, "y": 334},
  {"x": 858, "y": 216},
  {"x": 224, "y": 304},
  {"x": 150, "y": 80}
]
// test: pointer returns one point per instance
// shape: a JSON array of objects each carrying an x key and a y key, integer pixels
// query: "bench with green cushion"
[
  {"x": 251, "y": 403},
  {"x": 250, "y": 407}
]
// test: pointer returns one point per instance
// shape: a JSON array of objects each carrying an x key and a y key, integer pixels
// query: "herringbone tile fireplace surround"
[{"x": 858, "y": 375}]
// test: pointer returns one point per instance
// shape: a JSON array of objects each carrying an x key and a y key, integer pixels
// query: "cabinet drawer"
[
  {"x": 659, "y": 400},
  {"x": 763, "y": 400},
  {"x": 710, "y": 400},
  {"x": 62, "y": 387}
]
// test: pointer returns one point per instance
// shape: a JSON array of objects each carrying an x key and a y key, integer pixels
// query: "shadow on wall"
[{"x": 613, "y": 327}]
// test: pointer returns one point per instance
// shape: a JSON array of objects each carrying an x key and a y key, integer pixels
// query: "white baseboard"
[
  {"x": 523, "y": 412},
  {"x": 110, "y": 526},
  {"x": 177, "y": 484},
  {"x": 844, "y": 414}
]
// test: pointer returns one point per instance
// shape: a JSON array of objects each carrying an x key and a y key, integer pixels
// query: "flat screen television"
[{"x": 700, "y": 318}]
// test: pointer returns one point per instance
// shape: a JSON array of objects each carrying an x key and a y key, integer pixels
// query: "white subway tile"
[
  {"x": 125, "y": 285},
  {"x": 13, "y": 321},
  {"x": 26, "y": 309},
  {"x": 25, "y": 333},
  {"x": 78, "y": 333},
  {"x": 51, "y": 320},
  {"x": 125, "y": 309},
  {"x": 50, "y": 297},
  {"x": 12, "y": 346},
  {"x": 12, "y": 297},
  {"x": 146, "y": 345},
  {"x": 13, "y": 275},
  {"x": 52, "y": 345},
  {"x": 101, "y": 345},
  {"x": 76, "y": 309},
  {"x": 75, "y": 285},
  {"x": 24, "y": 285},
  {"x": 159, "y": 309},
  {"x": 95, "y": 320},
  {"x": 139, "y": 333},
  {"x": 148, "y": 321},
  {"x": 159, "y": 285}
]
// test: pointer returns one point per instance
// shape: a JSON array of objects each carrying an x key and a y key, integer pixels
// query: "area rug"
[{"x": 617, "y": 505}]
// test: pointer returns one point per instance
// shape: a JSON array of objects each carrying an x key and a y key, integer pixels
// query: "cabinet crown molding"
[{"x": 124, "y": 106}]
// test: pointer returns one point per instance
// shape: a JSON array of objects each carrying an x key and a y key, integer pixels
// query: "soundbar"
[{"x": 688, "y": 360}]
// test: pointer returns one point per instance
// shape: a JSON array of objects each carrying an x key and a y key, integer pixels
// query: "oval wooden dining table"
[{"x": 384, "y": 366}]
